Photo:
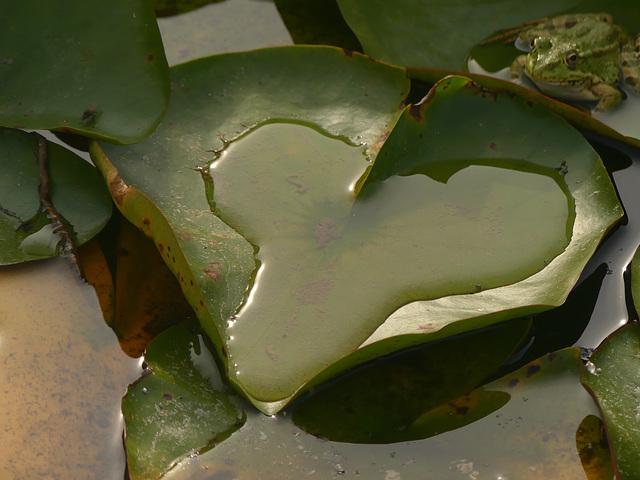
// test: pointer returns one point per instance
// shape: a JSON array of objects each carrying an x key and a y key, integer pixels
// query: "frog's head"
[{"x": 554, "y": 62}]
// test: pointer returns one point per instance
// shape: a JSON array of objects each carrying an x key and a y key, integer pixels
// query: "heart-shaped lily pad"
[
  {"x": 451, "y": 207},
  {"x": 217, "y": 99},
  {"x": 77, "y": 194},
  {"x": 94, "y": 68}
]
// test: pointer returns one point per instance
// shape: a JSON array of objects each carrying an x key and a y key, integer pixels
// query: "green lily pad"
[
  {"x": 441, "y": 35},
  {"x": 469, "y": 211},
  {"x": 157, "y": 184},
  {"x": 97, "y": 68},
  {"x": 432, "y": 34},
  {"x": 577, "y": 118},
  {"x": 612, "y": 378},
  {"x": 77, "y": 194},
  {"x": 179, "y": 406}
]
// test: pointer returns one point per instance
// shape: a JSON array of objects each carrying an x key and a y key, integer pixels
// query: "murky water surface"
[{"x": 63, "y": 375}]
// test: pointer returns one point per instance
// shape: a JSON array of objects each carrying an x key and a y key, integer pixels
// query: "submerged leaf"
[
  {"x": 148, "y": 297},
  {"x": 179, "y": 406},
  {"x": 414, "y": 394},
  {"x": 77, "y": 195},
  {"x": 532, "y": 437}
]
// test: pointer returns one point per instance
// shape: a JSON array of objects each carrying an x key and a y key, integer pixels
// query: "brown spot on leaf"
[
  {"x": 315, "y": 291},
  {"x": 167, "y": 396},
  {"x": 160, "y": 247},
  {"x": 532, "y": 370},
  {"x": 325, "y": 232},
  {"x": 118, "y": 189},
  {"x": 347, "y": 53},
  {"x": 146, "y": 221},
  {"x": 150, "y": 58},
  {"x": 462, "y": 410},
  {"x": 493, "y": 146},
  {"x": 184, "y": 236},
  {"x": 513, "y": 382},
  {"x": 273, "y": 355},
  {"x": 213, "y": 271}
]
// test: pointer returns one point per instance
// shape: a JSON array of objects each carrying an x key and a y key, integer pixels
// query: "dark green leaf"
[
  {"x": 397, "y": 399},
  {"x": 77, "y": 194},
  {"x": 611, "y": 377},
  {"x": 179, "y": 406},
  {"x": 92, "y": 67}
]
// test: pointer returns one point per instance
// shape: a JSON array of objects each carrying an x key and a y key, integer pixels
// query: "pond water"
[{"x": 63, "y": 375}]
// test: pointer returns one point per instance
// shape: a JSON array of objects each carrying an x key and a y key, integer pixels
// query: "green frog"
[{"x": 577, "y": 57}]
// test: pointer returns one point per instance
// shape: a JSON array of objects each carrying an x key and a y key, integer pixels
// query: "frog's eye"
[
  {"x": 571, "y": 59},
  {"x": 534, "y": 42}
]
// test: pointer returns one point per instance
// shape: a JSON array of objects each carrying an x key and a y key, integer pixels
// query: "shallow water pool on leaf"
[{"x": 330, "y": 266}]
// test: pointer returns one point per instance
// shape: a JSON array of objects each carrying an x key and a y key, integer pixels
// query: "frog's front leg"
[
  {"x": 517, "y": 69},
  {"x": 608, "y": 97},
  {"x": 630, "y": 65}
]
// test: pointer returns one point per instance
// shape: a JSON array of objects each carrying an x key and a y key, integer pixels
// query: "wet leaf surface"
[
  {"x": 289, "y": 189},
  {"x": 60, "y": 68},
  {"x": 77, "y": 194},
  {"x": 214, "y": 263},
  {"x": 179, "y": 406},
  {"x": 612, "y": 379}
]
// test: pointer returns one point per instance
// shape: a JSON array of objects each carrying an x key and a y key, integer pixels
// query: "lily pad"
[
  {"x": 452, "y": 209},
  {"x": 77, "y": 194},
  {"x": 97, "y": 68},
  {"x": 612, "y": 378},
  {"x": 433, "y": 34},
  {"x": 179, "y": 406},
  {"x": 157, "y": 184}
]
